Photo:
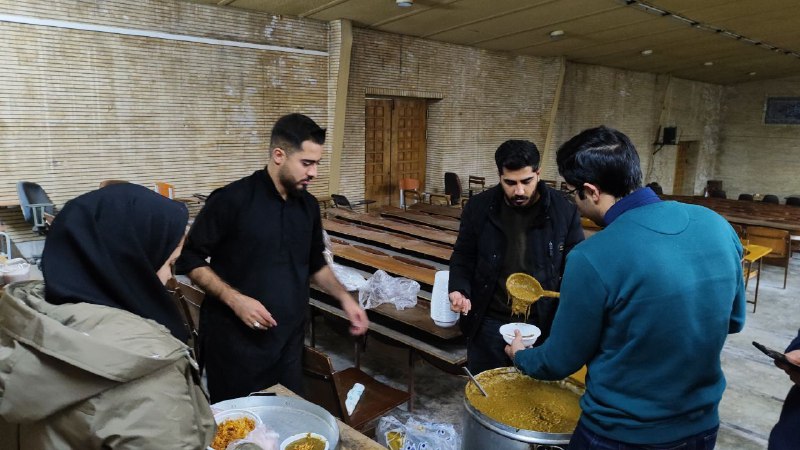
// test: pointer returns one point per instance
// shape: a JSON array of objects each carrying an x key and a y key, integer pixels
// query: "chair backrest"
[
  {"x": 717, "y": 194},
  {"x": 34, "y": 202},
  {"x": 188, "y": 299},
  {"x": 777, "y": 240},
  {"x": 793, "y": 201},
  {"x": 747, "y": 197},
  {"x": 318, "y": 381},
  {"x": 340, "y": 201},
  {"x": 165, "y": 189},
  {"x": 770, "y": 198},
  {"x": 409, "y": 184},
  {"x": 476, "y": 181},
  {"x": 328, "y": 388},
  {"x": 105, "y": 183},
  {"x": 740, "y": 231},
  {"x": 656, "y": 188},
  {"x": 5, "y": 245},
  {"x": 452, "y": 187}
]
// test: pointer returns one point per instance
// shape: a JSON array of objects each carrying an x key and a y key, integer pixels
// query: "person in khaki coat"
[{"x": 90, "y": 360}]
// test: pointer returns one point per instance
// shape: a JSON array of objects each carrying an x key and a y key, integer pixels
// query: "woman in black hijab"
[
  {"x": 105, "y": 247},
  {"x": 88, "y": 345}
]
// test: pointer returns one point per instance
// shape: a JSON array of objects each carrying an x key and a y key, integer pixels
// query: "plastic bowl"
[
  {"x": 291, "y": 439},
  {"x": 232, "y": 414},
  {"x": 529, "y": 333}
]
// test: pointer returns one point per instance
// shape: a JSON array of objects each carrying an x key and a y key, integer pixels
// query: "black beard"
[{"x": 294, "y": 191}]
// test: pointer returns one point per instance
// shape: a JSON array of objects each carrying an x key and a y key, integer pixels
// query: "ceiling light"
[
  {"x": 708, "y": 63},
  {"x": 404, "y": 3},
  {"x": 751, "y": 73},
  {"x": 556, "y": 33},
  {"x": 647, "y": 52}
]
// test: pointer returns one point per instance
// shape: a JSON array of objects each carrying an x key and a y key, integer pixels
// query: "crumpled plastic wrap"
[
  {"x": 351, "y": 279},
  {"x": 416, "y": 434},
  {"x": 382, "y": 288},
  {"x": 262, "y": 436}
]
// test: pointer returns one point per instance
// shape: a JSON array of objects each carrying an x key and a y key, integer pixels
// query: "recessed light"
[
  {"x": 404, "y": 3},
  {"x": 647, "y": 52},
  {"x": 751, "y": 73},
  {"x": 556, "y": 33},
  {"x": 708, "y": 63}
]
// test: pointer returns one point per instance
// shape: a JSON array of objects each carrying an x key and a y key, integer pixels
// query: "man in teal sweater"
[{"x": 646, "y": 304}]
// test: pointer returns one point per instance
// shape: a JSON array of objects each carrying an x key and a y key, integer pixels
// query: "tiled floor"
[{"x": 750, "y": 406}]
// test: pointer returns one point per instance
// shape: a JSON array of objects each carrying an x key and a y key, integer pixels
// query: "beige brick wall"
[
  {"x": 638, "y": 104},
  {"x": 486, "y": 98},
  {"x": 754, "y": 157},
  {"x": 78, "y": 106}
]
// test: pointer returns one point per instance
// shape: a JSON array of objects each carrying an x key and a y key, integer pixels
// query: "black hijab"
[{"x": 106, "y": 246}]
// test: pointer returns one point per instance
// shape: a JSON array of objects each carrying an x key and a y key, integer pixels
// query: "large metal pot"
[{"x": 483, "y": 432}]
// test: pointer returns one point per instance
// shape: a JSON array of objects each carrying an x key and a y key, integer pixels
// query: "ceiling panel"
[
  {"x": 462, "y": 14},
  {"x": 604, "y": 32},
  {"x": 584, "y": 26}
]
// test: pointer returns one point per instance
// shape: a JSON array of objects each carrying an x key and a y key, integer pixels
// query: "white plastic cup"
[{"x": 441, "y": 313}]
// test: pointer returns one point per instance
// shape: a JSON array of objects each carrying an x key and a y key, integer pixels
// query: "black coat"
[{"x": 480, "y": 251}]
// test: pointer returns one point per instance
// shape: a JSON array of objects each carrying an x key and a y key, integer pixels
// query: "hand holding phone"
[{"x": 777, "y": 356}]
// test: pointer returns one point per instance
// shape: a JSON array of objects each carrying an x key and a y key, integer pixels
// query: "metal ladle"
[
  {"x": 480, "y": 388},
  {"x": 524, "y": 290}
]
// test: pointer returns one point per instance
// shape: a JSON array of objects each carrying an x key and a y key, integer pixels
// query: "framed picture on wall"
[{"x": 782, "y": 111}]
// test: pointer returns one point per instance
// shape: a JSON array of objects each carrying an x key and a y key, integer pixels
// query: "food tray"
[{"x": 287, "y": 416}]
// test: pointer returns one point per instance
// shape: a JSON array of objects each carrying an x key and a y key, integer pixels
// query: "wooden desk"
[
  {"x": 444, "y": 223},
  {"x": 373, "y": 258},
  {"x": 349, "y": 438},
  {"x": 399, "y": 242},
  {"x": 382, "y": 223},
  {"x": 760, "y": 214},
  {"x": 437, "y": 210}
]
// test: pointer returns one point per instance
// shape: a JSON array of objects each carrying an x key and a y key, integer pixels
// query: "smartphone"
[{"x": 776, "y": 355}]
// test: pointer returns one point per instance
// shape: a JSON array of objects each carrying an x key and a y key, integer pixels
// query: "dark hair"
[
  {"x": 601, "y": 156},
  {"x": 290, "y": 131},
  {"x": 515, "y": 154}
]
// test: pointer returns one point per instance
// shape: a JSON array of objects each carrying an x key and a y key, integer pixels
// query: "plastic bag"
[
  {"x": 262, "y": 436},
  {"x": 351, "y": 279},
  {"x": 328, "y": 252},
  {"x": 382, "y": 288},
  {"x": 416, "y": 435}
]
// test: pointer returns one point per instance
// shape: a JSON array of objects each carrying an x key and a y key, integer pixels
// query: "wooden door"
[
  {"x": 681, "y": 161},
  {"x": 378, "y": 151},
  {"x": 396, "y": 146},
  {"x": 409, "y": 142}
]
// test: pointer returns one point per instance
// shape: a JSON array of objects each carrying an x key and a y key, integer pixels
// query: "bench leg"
[{"x": 412, "y": 356}]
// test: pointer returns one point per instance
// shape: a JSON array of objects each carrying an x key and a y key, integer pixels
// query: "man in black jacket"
[{"x": 521, "y": 225}]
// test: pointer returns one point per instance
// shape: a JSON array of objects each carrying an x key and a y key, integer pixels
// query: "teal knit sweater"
[{"x": 647, "y": 304}]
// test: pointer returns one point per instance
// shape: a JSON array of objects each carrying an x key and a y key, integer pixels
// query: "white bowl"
[
  {"x": 233, "y": 414},
  {"x": 529, "y": 333},
  {"x": 291, "y": 439}
]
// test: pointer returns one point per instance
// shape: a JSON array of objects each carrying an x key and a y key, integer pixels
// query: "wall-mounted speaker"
[{"x": 670, "y": 136}]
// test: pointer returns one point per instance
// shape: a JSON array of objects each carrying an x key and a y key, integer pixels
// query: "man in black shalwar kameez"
[{"x": 263, "y": 235}]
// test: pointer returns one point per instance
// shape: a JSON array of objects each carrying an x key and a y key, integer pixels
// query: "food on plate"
[
  {"x": 231, "y": 430},
  {"x": 307, "y": 442}
]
